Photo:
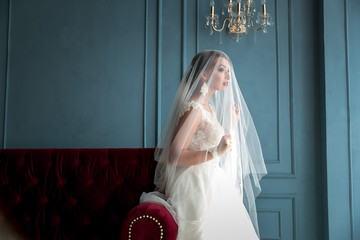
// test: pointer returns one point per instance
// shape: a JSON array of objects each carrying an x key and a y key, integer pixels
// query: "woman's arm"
[
  {"x": 185, "y": 130},
  {"x": 189, "y": 158}
]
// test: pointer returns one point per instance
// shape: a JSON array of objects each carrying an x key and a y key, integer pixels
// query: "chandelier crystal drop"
[{"x": 241, "y": 21}]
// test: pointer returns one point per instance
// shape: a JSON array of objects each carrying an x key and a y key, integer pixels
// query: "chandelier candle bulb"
[
  {"x": 264, "y": 9},
  {"x": 238, "y": 8},
  {"x": 212, "y": 11},
  {"x": 248, "y": 5},
  {"x": 230, "y": 8}
]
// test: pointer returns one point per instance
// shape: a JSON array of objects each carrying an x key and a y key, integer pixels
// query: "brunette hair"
[{"x": 198, "y": 62}]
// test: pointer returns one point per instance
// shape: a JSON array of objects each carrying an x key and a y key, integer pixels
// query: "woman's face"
[{"x": 220, "y": 75}]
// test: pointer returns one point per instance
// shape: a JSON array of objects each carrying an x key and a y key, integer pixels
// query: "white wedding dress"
[
  {"x": 214, "y": 199},
  {"x": 207, "y": 204}
]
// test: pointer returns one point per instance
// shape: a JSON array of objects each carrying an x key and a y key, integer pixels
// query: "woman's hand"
[{"x": 224, "y": 145}]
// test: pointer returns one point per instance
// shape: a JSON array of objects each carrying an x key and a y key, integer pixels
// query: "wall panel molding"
[
  {"x": 145, "y": 87},
  {"x": 284, "y": 165},
  {"x": 353, "y": 76},
  {"x": 280, "y": 206},
  {"x": 338, "y": 120},
  {"x": 197, "y": 26},
  {"x": 275, "y": 220},
  {"x": 184, "y": 14},
  {"x": 349, "y": 114},
  {"x": 159, "y": 68},
  {"x": 150, "y": 74},
  {"x": 5, "y": 27},
  {"x": 78, "y": 61},
  {"x": 189, "y": 33}
]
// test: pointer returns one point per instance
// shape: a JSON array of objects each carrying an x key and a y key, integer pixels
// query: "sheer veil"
[{"x": 244, "y": 164}]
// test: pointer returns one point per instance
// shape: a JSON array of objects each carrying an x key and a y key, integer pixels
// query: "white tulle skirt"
[{"x": 206, "y": 205}]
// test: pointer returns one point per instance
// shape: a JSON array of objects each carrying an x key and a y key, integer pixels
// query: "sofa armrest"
[{"x": 149, "y": 221}]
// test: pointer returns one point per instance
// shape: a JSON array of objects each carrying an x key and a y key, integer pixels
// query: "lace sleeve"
[{"x": 186, "y": 107}]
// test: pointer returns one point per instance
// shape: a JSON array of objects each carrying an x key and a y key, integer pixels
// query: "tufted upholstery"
[{"x": 73, "y": 193}]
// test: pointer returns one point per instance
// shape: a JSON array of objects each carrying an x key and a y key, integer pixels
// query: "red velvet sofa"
[{"x": 80, "y": 194}]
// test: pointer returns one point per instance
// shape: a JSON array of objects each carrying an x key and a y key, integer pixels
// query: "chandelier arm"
[
  {"x": 252, "y": 25},
  {"x": 219, "y": 30}
]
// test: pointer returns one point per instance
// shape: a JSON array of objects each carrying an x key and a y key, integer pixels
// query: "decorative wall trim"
[
  {"x": 273, "y": 210},
  {"x": 349, "y": 118},
  {"x": 338, "y": 134},
  {"x": 278, "y": 84},
  {"x": 277, "y": 161},
  {"x": 197, "y": 27},
  {"x": 289, "y": 196},
  {"x": 184, "y": 35},
  {"x": 6, "y": 99},
  {"x": 158, "y": 70},
  {"x": 146, "y": 39},
  {"x": 291, "y": 98},
  {"x": 280, "y": 176},
  {"x": 292, "y": 173}
]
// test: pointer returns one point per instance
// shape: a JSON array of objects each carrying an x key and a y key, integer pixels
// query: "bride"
[{"x": 209, "y": 155}]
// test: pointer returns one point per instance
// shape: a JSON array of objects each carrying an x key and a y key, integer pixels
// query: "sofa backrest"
[{"x": 72, "y": 193}]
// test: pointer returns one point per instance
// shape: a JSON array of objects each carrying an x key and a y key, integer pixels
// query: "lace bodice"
[{"x": 209, "y": 132}]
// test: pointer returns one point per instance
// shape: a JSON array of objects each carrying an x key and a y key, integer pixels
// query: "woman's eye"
[{"x": 221, "y": 69}]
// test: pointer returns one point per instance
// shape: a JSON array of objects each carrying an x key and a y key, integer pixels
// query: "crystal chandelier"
[{"x": 241, "y": 21}]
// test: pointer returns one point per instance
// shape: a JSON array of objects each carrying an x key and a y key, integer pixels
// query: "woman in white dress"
[{"x": 209, "y": 155}]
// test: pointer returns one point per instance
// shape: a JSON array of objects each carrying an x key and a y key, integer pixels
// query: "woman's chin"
[{"x": 221, "y": 89}]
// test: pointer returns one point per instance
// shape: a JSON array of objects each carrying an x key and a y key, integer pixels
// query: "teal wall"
[
  {"x": 341, "y": 121},
  {"x": 71, "y": 74},
  {"x": 103, "y": 74}
]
